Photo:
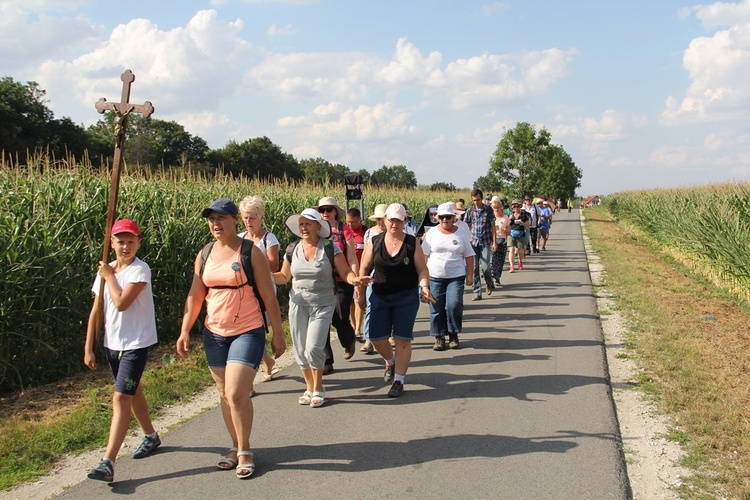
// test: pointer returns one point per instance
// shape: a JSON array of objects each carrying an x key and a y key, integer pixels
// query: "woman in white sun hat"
[{"x": 309, "y": 264}]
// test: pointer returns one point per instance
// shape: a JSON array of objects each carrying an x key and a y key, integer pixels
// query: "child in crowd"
[{"x": 130, "y": 329}]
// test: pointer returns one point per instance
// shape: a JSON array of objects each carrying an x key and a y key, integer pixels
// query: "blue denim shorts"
[
  {"x": 127, "y": 367},
  {"x": 246, "y": 348},
  {"x": 396, "y": 311}
]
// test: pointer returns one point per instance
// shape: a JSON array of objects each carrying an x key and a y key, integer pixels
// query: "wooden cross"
[{"x": 122, "y": 109}]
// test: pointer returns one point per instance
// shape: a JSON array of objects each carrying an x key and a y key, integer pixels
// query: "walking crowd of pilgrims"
[{"x": 366, "y": 282}]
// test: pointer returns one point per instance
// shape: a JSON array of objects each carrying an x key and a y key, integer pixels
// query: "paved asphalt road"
[{"x": 522, "y": 410}]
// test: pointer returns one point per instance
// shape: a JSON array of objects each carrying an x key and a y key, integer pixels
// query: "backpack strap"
[
  {"x": 205, "y": 252},
  {"x": 290, "y": 250}
]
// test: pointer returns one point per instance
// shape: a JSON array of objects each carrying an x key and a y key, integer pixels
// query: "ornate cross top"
[{"x": 124, "y": 108}]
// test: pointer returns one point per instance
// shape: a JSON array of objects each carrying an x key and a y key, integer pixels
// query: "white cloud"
[
  {"x": 718, "y": 67},
  {"x": 542, "y": 68},
  {"x": 409, "y": 67},
  {"x": 361, "y": 123},
  {"x": 352, "y": 76},
  {"x": 723, "y": 14},
  {"x": 669, "y": 156},
  {"x": 274, "y": 30},
  {"x": 28, "y": 35},
  {"x": 313, "y": 75},
  {"x": 485, "y": 136},
  {"x": 185, "y": 69},
  {"x": 610, "y": 127}
]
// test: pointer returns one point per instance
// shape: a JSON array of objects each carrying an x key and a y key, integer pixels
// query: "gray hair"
[{"x": 254, "y": 205}]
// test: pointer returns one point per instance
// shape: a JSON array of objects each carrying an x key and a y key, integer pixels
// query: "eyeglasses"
[
  {"x": 443, "y": 217},
  {"x": 323, "y": 210}
]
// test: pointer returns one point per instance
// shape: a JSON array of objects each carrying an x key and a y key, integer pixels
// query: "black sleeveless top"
[{"x": 394, "y": 274}]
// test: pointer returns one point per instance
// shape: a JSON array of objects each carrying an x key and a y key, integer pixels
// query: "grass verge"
[{"x": 691, "y": 340}]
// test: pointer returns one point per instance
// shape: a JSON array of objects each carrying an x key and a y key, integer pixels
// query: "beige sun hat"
[
  {"x": 329, "y": 201},
  {"x": 379, "y": 212}
]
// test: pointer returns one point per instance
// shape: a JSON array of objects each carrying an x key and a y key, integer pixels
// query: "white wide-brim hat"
[
  {"x": 292, "y": 222},
  {"x": 329, "y": 201}
]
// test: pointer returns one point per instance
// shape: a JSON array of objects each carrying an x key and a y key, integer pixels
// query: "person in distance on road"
[
  {"x": 481, "y": 220},
  {"x": 519, "y": 222},
  {"x": 502, "y": 229}
]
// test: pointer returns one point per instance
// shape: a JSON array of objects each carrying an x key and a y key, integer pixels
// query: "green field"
[{"x": 52, "y": 224}]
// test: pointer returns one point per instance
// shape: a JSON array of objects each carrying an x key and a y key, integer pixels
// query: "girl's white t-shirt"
[
  {"x": 446, "y": 253},
  {"x": 135, "y": 327}
]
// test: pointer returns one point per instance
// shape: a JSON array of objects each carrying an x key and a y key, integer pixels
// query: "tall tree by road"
[
  {"x": 526, "y": 162},
  {"x": 517, "y": 160}
]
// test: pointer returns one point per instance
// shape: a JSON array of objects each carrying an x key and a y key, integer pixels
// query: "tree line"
[
  {"x": 525, "y": 161},
  {"x": 28, "y": 126}
]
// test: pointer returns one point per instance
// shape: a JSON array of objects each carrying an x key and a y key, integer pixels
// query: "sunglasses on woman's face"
[
  {"x": 444, "y": 217},
  {"x": 323, "y": 210}
]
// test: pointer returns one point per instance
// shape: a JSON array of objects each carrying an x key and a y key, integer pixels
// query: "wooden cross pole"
[{"x": 122, "y": 109}]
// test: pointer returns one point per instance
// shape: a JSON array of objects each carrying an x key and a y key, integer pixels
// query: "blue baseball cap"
[{"x": 223, "y": 206}]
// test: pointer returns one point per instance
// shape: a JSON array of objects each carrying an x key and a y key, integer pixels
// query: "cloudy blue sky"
[{"x": 641, "y": 93}]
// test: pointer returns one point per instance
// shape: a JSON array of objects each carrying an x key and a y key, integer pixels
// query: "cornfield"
[
  {"x": 51, "y": 226},
  {"x": 704, "y": 227}
]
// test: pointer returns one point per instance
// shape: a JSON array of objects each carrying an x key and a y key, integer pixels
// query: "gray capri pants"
[{"x": 309, "y": 327}]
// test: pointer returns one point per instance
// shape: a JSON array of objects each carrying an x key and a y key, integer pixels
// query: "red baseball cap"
[{"x": 125, "y": 226}]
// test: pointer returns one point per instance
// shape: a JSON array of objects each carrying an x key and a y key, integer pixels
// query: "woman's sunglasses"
[
  {"x": 323, "y": 210},
  {"x": 443, "y": 217}
]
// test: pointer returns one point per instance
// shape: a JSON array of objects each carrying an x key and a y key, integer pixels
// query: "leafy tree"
[
  {"x": 442, "y": 186},
  {"x": 365, "y": 175},
  {"x": 490, "y": 183},
  {"x": 64, "y": 137},
  {"x": 101, "y": 139},
  {"x": 320, "y": 171},
  {"x": 560, "y": 177},
  {"x": 517, "y": 161},
  {"x": 150, "y": 141},
  {"x": 397, "y": 175},
  {"x": 258, "y": 157},
  {"x": 23, "y": 117}
]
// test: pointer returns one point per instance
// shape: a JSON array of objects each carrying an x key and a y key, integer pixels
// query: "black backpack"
[{"x": 246, "y": 253}]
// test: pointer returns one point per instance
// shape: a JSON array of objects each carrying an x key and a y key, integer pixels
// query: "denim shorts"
[
  {"x": 396, "y": 311},
  {"x": 246, "y": 348},
  {"x": 127, "y": 367}
]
